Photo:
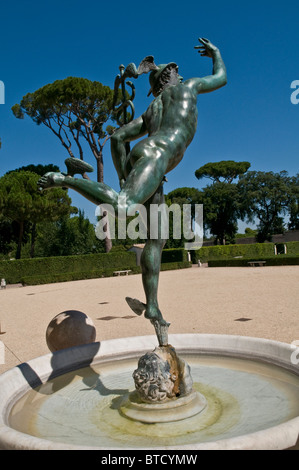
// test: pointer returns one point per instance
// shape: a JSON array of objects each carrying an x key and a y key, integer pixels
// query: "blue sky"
[{"x": 251, "y": 119}]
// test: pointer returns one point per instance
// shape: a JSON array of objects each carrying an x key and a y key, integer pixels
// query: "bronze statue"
[{"x": 168, "y": 125}]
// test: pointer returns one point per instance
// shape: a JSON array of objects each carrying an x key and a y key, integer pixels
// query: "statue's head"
[
  {"x": 160, "y": 75},
  {"x": 164, "y": 75}
]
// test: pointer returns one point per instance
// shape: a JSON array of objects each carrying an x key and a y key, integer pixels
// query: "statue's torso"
[
  {"x": 173, "y": 112},
  {"x": 171, "y": 121}
]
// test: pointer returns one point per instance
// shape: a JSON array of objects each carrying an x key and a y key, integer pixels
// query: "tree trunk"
[
  {"x": 20, "y": 239},
  {"x": 33, "y": 238},
  {"x": 100, "y": 179}
]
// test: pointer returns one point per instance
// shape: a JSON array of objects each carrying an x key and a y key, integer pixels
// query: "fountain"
[
  {"x": 190, "y": 391},
  {"x": 77, "y": 398}
]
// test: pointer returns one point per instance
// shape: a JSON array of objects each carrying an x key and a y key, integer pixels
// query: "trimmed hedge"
[
  {"x": 78, "y": 276},
  {"x": 14, "y": 271},
  {"x": 71, "y": 276},
  {"x": 280, "y": 260},
  {"x": 177, "y": 265},
  {"x": 70, "y": 268},
  {"x": 253, "y": 251},
  {"x": 292, "y": 248},
  {"x": 208, "y": 253}
]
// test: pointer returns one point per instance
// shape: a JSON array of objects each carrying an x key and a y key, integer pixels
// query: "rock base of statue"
[
  {"x": 164, "y": 390},
  {"x": 162, "y": 375}
]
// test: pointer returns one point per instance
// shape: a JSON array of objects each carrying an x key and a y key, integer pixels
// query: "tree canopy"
[
  {"x": 21, "y": 202},
  {"x": 265, "y": 196},
  {"x": 68, "y": 236},
  {"x": 293, "y": 206},
  {"x": 221, "y": 199},
  {"x": 227, "y": 170},
  {"x": 38, "y": 169},
  {"x": 76, "y": 110},
  {"x": 221, "y": 206},
  {"x": 181, "y": 196}
]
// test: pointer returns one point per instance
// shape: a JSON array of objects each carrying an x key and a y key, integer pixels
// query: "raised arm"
[{"x": 212, "y": 82}]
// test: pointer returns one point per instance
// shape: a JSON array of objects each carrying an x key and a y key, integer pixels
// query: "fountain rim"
[{"x": 14, "y": 384}]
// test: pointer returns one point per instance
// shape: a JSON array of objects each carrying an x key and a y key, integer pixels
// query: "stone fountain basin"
[{"x": 17, "y": 383}]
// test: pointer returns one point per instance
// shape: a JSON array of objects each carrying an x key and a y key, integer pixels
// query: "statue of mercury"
[{"x": 168, "y": 127}]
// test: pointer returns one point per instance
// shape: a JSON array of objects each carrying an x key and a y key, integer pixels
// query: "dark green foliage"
[
  {"x": 221, "y": 199},
  {"x": 14, "y": 271},
  {"x": 255, "y": 251},
  {"x": 265, "y": 196},
  {"x": 293, "y": 206},
  {"x": 292, "y": 248},
  {"x": 94, "y": 274},
  {"x": 73, "y": 109},
  {"x": 181, "y": 196},
  {"x": 175, "y": 265},
  {"x": 67, "y": 237},
  {"x": 22, "y": 203},
  {"x": 69, "y": 268},
  {"x": 9, "y": 233},
  {"x": 228, "y": 170},
  {"x": 175, "y": 255},
  {"x": 76, "y": 111},
  {"x": 208, "y": 253},
  {"x": 38, "y": 169},
  {"x": 221, "y": 205}
]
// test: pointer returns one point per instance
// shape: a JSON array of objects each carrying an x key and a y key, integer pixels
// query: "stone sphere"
[{"x": 68, "y": 329}]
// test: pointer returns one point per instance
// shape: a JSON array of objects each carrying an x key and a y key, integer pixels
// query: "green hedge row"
[
  {"x": 254, "y": 251},
  {"x": 67, "y": 268},
  {"x": 292, "y": 248},
  {"x": 282, "y": 260},
  {"x": 94, "y": 274},
  {"x": 14, "y": 271},
  {"x": 71, "y": 276},
  {"x": 176, "y": 265}
]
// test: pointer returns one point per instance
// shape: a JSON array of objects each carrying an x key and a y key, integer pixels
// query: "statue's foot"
[
  {"x": 154, "y": 314},
  {"x": 51, "y": 180}
]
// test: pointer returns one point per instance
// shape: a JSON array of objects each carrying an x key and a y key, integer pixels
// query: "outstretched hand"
[{"x": 206, "y": 48}]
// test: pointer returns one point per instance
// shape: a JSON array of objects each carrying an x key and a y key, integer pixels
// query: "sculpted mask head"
[{"x": 153, "y": 379}]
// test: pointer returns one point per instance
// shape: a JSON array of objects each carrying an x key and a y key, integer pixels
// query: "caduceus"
[
  {"x": 122, "y": 100},
  {"x": 120, "y": 93}
]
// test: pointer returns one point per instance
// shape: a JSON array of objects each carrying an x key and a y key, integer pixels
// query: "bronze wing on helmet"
[{"x": 147, "y": 65}]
